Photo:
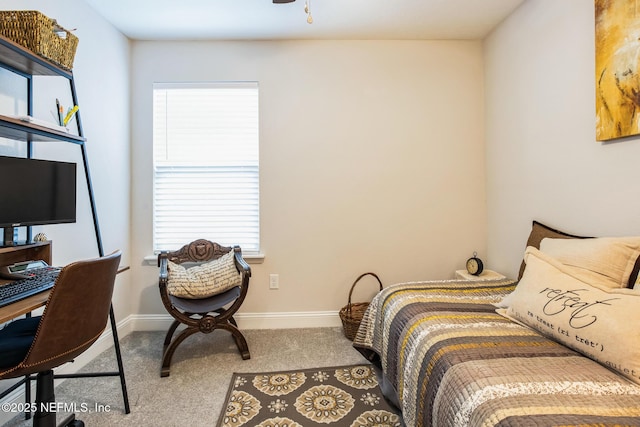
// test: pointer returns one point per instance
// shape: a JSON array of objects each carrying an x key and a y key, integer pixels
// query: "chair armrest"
[
  {"x": 163, "y": 263},
  {"x": 241, "y": 264}
]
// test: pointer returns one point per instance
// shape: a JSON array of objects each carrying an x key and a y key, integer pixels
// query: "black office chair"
[
  {"x": 75, "y": 316},
  {"x": 207, "y": 314}
]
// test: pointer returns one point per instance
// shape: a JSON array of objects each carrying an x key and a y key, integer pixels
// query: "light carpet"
[
  {"x": 346, "y": 396},
  {"x": 201, "y": 371}
]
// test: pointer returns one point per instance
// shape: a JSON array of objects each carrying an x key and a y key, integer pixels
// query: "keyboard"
[{"x": 42, "y": 279}]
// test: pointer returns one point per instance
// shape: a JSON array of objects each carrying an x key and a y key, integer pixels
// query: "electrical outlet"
[{"x": 274, "y": 280}]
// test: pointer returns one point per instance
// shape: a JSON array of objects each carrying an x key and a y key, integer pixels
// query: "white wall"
[
  {"x": 543, "y": 161},
  {"x": 101, "y": 71},
  {"x": 371, "y": 159}
]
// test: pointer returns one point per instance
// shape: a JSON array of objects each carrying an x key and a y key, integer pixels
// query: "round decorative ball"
[{"x": 40, "y": 237}]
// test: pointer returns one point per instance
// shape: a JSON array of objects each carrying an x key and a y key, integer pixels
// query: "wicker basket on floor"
[
  {"x": 41, "y": 35},
  {"x": 352, "y": 313}
]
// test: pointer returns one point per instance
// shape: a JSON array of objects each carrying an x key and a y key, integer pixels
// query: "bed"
[{"x": 561, "y": 350}]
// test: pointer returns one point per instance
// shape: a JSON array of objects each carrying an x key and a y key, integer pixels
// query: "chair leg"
[
  {"x": 168, "y": 351},
  {"x": 170, "y": 332},
  {"x": 241, "y": 342}
]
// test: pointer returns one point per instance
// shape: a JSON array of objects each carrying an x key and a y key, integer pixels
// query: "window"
[{"x": 206, "y": 168}]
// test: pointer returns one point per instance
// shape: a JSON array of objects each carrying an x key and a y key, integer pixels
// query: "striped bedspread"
[{"x": 452, "y": 361}]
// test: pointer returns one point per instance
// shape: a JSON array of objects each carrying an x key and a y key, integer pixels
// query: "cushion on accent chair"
[{"x": 204, "y": 280}]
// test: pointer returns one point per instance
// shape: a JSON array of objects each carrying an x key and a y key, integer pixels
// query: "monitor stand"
[{"x": 10, "y": 236}]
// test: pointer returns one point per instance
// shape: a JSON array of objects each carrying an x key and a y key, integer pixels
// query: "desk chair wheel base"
[
  {"x": 71, "y": 421},
  {"x": 45, "y": 396}
]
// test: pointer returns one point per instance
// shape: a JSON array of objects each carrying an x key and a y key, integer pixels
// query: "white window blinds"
[{"x": 206, "y": 170}]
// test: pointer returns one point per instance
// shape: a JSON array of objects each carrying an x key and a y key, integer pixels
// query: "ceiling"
[{"x": 332, "y": 19}]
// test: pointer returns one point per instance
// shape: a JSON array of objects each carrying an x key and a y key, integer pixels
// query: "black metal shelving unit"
[{"x": 20, "y": 60}]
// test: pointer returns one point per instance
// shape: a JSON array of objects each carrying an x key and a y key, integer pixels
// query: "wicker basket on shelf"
[
  {"x": 42, "y": 35},
  {"x": 352, "y": 313}
]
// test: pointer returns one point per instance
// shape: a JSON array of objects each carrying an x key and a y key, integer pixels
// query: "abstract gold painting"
[{"x": 617, "y": 68}]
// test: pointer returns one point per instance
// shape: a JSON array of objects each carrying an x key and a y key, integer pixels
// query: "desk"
[
  {"x": 28, "y": 305},
  {"x": 42, "y": 250},
  {"x": 13, "y": 254},
  {"x": 24, "y": 306}
]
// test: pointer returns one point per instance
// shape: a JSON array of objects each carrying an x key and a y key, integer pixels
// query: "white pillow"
[
  {"x": 599, "y": 322},
  {"x": 204, "y": 280},
  {"x": 612, "y": 258}
]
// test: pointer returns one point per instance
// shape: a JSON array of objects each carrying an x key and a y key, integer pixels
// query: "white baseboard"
[{"x": 161, "y": 322}]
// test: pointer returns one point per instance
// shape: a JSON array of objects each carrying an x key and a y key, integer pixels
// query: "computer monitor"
[{"x": 35, "y": 192}]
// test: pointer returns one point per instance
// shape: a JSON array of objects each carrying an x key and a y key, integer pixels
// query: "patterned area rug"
[{"x": 346, "y": 396}]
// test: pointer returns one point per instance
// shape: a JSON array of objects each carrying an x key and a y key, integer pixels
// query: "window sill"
[{"x": 250, "y": 258}]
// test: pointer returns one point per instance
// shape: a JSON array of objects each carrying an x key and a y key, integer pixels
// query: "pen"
[{"x": 59, "y": 110}]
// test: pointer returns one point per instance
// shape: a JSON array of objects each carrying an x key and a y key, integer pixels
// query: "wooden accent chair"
[
  {"x": 75, "y": 316},
  {"x": 204, "y": 314}
]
